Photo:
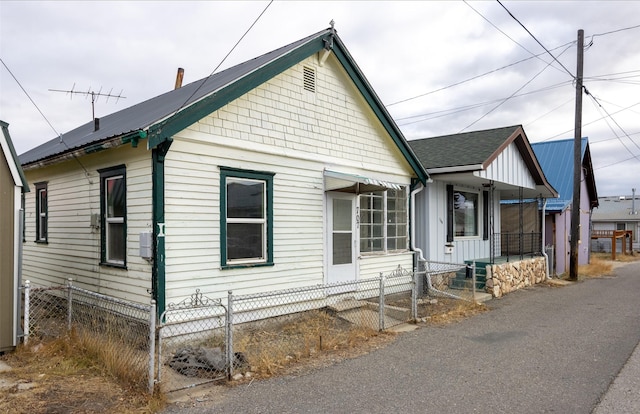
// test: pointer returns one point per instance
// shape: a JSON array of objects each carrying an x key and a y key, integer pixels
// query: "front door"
[{"x": 341, "y": 237}]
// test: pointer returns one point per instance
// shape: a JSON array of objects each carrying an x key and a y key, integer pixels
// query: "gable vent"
[{"x": 309, "y": 76}]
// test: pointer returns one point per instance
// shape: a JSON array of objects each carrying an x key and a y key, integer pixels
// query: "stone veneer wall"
[{"x": 506, "y": 277}]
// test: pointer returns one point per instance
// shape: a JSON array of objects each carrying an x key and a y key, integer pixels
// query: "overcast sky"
[{"x": 411, "y": 52}]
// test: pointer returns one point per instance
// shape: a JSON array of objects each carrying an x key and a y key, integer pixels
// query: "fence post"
[
  {"x": 152, "y": 344},
  {"x": 229, "y": 335},
  {"x": 69, "y": 305},
  {"x": 414, "y": 295},
  {"x": 473, "y": 280},
  {"x": 381, "y": 304},
  {"x": 27, "y": 294}
]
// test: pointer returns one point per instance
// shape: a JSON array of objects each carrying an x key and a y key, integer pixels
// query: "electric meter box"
[{"x": 146, "y": 245}]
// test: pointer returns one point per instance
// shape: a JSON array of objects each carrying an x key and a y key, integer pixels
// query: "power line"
[
  {"x": 453, "y": 111},
  {"x": 589, "y": 123},
  {"x": 224, "y": 58},
  {"x": 47, "y": 120},
  {"x": 534, "y": 38},
  {"x": 511, "y": 96},
  {"x": 32, "y": 101},
  {"x": 473, "y": 77},
  {"x": 508, "y": 37}
]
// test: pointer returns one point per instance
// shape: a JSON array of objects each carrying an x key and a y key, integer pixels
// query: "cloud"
[{"x": 405, "y": 49}]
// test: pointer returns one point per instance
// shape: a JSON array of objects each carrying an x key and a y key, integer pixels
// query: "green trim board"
[
  {"x": 105, "y": 174},
  {"x": 158, "y": 268},
  {"x": 267, "y": 178}
]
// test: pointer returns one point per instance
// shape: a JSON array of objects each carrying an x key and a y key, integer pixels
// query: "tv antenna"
[{"x": 94, "y": 96}]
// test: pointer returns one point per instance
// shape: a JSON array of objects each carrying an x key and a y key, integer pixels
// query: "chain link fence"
[
  {"x": 449, "y": 280},
  {"x": 203, "y": 339},
  {"x": 122, "y": 333}
]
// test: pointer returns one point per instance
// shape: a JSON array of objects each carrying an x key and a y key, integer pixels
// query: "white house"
[
  {"x": 458, "y": 217},
  {"x": 281, "y": 172},
  {"x": 12, "y": 185}
]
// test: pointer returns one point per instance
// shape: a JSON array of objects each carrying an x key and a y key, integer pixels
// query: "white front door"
[{"x": 341, "y": 237}]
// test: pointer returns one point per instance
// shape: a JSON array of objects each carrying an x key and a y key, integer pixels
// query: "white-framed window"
[
  {"x": 383, "y": 221},
  {"x": 42, "y": 214},
  {"x": 246, "y": 217},
  {"x": 113, "y": 212},
  {"x": 465, "y": 213}
]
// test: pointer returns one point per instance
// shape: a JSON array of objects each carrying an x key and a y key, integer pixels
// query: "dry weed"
[
  {"x": 447, "y": 310},
  {"x": 271, "y": 351}
]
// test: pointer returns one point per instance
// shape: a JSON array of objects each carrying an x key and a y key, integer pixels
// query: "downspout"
[
  {"x": 544, "y": 253},
  {"x": 416, "y": 249}
]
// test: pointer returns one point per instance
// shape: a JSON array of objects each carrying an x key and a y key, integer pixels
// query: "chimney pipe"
[
  {"x": 179, "y": 77},
  {"x": 96, "y": 124},
  {"x": 633, "y": 201}
]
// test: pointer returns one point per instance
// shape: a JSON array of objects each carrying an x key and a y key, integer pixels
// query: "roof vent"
[
  {"x": 309, "y": 78},
  {"x": 96, "y": 124}
]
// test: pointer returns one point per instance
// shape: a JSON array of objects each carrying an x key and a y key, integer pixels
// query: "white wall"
[
  {"x": 73, "y": 248},
  {"x": 280, "y": 128}
]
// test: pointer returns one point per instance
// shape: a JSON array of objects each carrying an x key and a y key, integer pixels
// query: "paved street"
[{"x": 543, "y": 349}]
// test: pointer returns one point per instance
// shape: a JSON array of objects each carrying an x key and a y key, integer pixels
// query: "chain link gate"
[{"x": 192, "y": 343}]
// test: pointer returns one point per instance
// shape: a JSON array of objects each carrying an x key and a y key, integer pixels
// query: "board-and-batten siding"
[
  {"x": 509, "y": 168},
  {"x": 73, "y": 248},
  {"x": 431, "y": 226},
  {"x": 280, "y": 128}
]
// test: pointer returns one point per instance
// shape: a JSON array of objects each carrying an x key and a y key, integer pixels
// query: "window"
[
  {"x": 246, "y": 218},
  {"x": 383, "y": 221},
  {"x": 41, "y": 213},
  {"x": 113, "y": 212},
  {"x": 465, "y": 213}
]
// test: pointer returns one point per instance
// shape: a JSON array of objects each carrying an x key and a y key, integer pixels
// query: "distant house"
[
  {"x": 284, "y": 171},
  {"x": 556, "y": 159},
  {"x": 616, "y": 213},
  {"x": 458, "y": 216},
  {"x": 12, "y": 186}
]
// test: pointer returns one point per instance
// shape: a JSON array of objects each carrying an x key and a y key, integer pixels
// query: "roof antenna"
[{"x": 94, "y": 96}]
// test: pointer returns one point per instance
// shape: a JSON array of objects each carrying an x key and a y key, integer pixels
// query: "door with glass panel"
[{"x": 341, "y": 237}]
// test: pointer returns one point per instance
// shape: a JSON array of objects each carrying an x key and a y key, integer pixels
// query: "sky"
[{"x": 439, "y": 67}]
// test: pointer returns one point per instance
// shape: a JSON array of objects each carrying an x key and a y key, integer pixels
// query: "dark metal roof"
[
  {"x": 466, "y": 149},
  {"x": 556, "y": 159},
  {"x": 147, "y": 113}
]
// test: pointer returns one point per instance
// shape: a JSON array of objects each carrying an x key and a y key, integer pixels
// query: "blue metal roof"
[{"x": 556, "y": 160}]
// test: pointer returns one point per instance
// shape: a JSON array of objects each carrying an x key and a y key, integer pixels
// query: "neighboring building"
[
  {"x": 616, "y": 213},
  {"x": 12, "y": 186},
  {"x": 458, "y": 216},
  {"x": 281, "y": 172},
  {"x": 556, "y": 159}
]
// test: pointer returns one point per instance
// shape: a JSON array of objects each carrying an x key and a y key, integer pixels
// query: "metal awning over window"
[{"x": 354, "y": 183}]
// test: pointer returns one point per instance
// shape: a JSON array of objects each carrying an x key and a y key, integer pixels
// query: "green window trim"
[
  {"x": 42, "y": 213},
  {"x": 113, "y": 218},
  {"x": 264, "y": 220}
]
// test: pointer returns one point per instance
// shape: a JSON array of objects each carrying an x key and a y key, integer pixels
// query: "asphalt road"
[{"x": 539, "y": 350}]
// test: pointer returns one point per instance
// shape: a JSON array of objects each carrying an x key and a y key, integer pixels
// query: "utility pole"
[{"x": 577, "y": 165}]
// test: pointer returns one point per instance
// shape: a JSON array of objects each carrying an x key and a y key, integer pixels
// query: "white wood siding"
[
  {"x": 73, "y": 248},
  {"x": 431, "y": 226},
  {"x": 509, "y": 168},
  {"x": 283, "y": 129}
]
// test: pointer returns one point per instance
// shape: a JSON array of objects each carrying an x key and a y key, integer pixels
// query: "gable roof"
[
  {"x": 475, "y": 151},
  {"x": 556, "y": 159},
  {"x": 159, "y": 118},
  {"x": 618, "y": 209},
  {"x": 6, "y": 146}
]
